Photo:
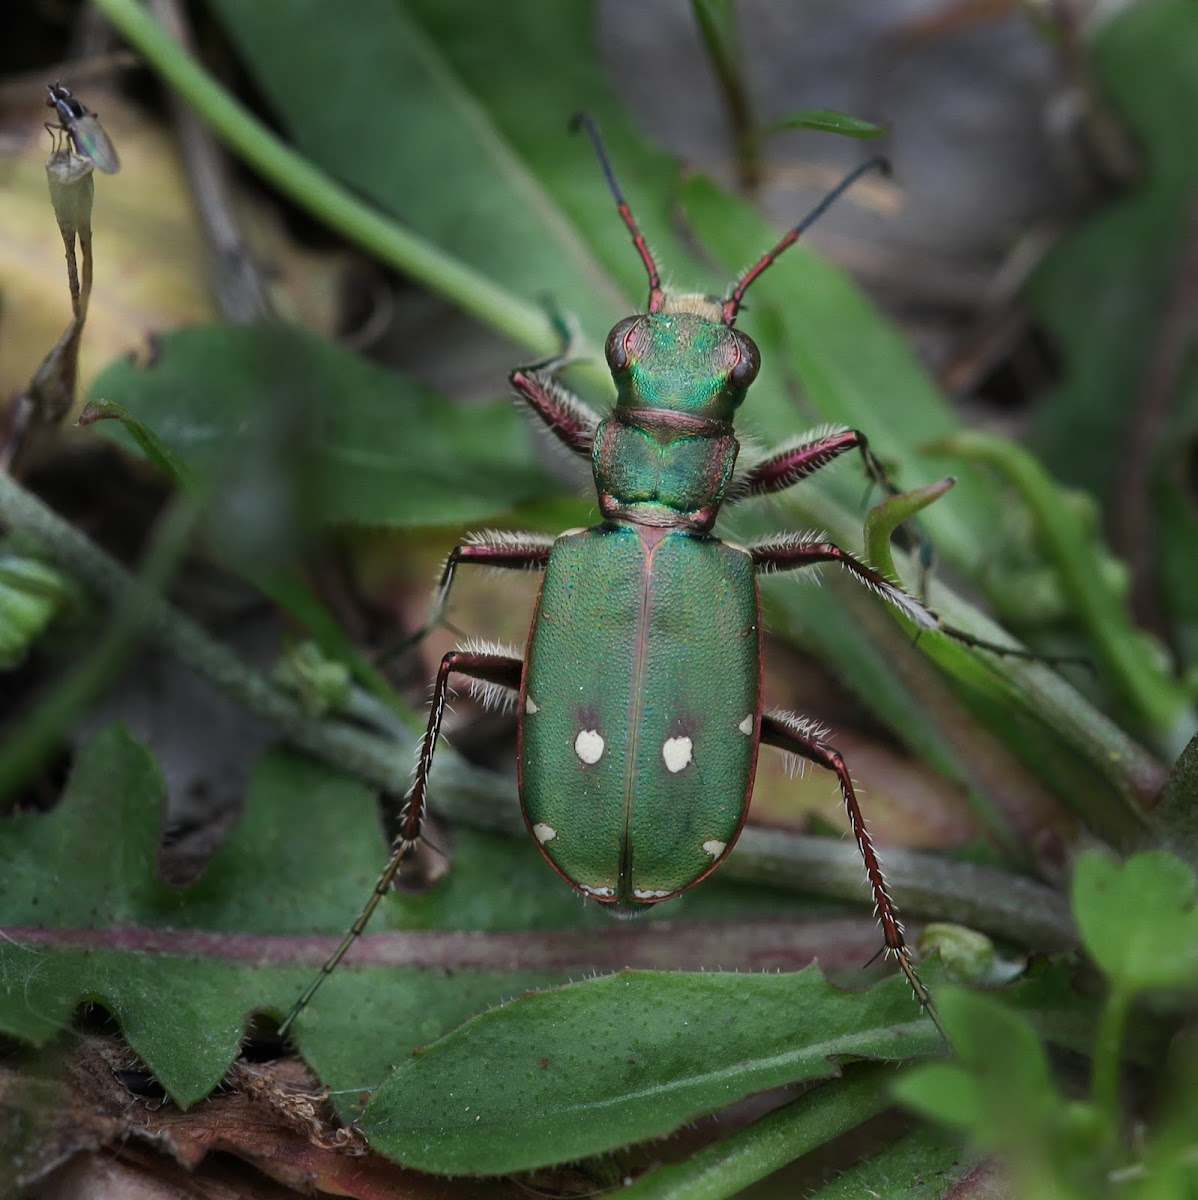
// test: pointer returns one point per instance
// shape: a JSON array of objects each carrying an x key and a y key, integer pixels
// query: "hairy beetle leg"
[
  {"x": 791, "y": 465},
  {"x": 495, "y": 669},
  {"x": 569, "y": 420},
  {"x": 790, "y": 554},
  {"x": 499, "y": 549},
  {"x": 789, "y": 732}
]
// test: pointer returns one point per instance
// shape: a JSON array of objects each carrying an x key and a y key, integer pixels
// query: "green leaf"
[
  {"x": 492, "y": 132},
  {"x": 924, "y": 1165},
  {"x": 885, "y": 518},
  {"x": 148, "y": 442},
  {"x": 1176, "y": 817},
  {"x": 32, "y": 594},
  {"x": 599, "y": 1064},
  {"x": 298, "y": 431},
  {"x": 1105, "y": 296},
  {"x": 828, "y": 120},
  {"x": 85, "y": 918},
  {"x": 1130, "y": 658},
  {"x": 969, "y": 957},
  {"x": 998, "y": 1089},
  {"x": 750, "y": 1154},
  {"x": 280, "y": 583},
  {"x": 1138, "y": 918},
  {"x": 946, "y": 1093},
  {"x": 716, "y": 20},
  {"x": 1000, "y": 1093}
]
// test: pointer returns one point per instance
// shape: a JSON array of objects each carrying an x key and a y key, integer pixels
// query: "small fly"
[{"x": 84, "y": 129}]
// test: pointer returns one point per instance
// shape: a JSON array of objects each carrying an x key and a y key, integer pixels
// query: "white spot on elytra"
[
  {"x": 650, "y": 893},
  {"x": 677, "y": 753},
  {"x": 597, "y": 891},
  {"x": 588, "y": 745},
  {"x": 530, "y": 705},
  {"x": 544, "y": 833},
  {"x": 714, "y": 847},
  {"x": 746, "y": 726}
]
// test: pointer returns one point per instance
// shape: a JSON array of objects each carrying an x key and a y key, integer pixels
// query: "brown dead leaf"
[{"x": 80, "y": 1132}]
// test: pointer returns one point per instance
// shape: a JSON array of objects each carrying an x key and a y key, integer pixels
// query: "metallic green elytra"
[
  {"x": 640, "y": 689},
  {"x": 634, "y": 771}
]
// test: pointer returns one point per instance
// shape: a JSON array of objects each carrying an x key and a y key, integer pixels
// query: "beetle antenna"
[
  {"x": 656, "y": 294},
  {"x": 732, "y": 304}
]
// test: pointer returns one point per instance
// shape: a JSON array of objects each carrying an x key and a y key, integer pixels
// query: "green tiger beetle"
[
  {"x": 83, "y": 127},
  {"x": 640, "y": 691}
]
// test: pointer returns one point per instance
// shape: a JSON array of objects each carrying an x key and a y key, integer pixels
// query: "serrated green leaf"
[
  {"x": 84, "y": 917},
  {"x": 599, "y": 1064},
  {"x": 1138, "y": 918}
]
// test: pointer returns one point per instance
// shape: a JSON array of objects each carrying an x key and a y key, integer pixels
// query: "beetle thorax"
[
  {"x": 665, "y": 455},
  {"x": 663, "y": 469}
]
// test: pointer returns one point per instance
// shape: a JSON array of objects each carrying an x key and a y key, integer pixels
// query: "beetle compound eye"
[
  {"x": 616, "y": 349},
  {"x": 746, "y": 370}
]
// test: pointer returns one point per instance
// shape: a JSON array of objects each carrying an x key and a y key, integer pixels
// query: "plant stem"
[
  {"x": 1108, "y": 1043},
  {"x": 319, "y": 194},
  {"x": 996, "y": 902},
  {"x": 780, "y": 1137},
  {"x": 383, "y": 763},
  {"x": 1161, "y": 704},
  {"x": 35, "y": 734}
]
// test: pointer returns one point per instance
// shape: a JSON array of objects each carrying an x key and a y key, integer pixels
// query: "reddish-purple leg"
[
  {"x": 498, "y": 670},
  {"x": 568, "y": 419},
  {"x": 789, "y": 554},
  {"x": 792, "y": 733},
  {"x": 787, "y": 467},
  {"x": 489, "y": 548}
]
